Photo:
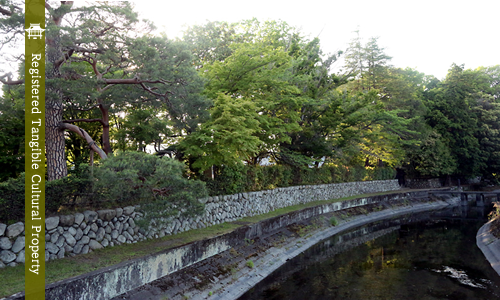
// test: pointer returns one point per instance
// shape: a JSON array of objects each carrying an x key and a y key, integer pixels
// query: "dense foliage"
[
  {"x": 246, "y": 106},
  {"x": 158, "y": 185}
]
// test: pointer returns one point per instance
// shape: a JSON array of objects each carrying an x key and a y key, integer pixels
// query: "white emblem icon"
[{"x": 35, "y": 31}]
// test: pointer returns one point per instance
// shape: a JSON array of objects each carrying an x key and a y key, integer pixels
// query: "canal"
[{"x": 421, "y": 256}]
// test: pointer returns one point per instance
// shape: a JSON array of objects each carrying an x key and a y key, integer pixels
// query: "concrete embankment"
[
  {"x": 128, "y": 276},
  {"x": 490, "y": 245},
  {"x": 273, "y": 258}
]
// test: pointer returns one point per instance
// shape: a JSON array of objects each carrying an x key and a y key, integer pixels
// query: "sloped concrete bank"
[
  {"x": 489, "y": 245},
  {"x": 228, "y": 275},
  {"x": 275, "y": 258},
  {"x": 119, "y": 279}
]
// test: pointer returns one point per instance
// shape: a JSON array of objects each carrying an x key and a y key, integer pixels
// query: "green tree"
[
  {"x": 229, "y": 137},
  {"x": 487, "y": 111},
  {"x": 142, "y": 127},
  {"x": 12, "y": 134},
  {"x": 100, "y": 57},
  {"x": 450, "y": 114},
  {"x": 258, "y": 73},
  {"x": 431, "y": 158}
]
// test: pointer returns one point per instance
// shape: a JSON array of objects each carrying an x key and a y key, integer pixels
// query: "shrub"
[
  {"x": 156, "y": 183},
  {"x": 129, "y": 178},
  {"x": 250, "y": 264},
  {"x": 12, "y": 200}
]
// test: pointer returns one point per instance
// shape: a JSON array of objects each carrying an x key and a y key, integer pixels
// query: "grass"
[
  {"x": 250, "y": 264},
  {"x": 59, "y": 269}
]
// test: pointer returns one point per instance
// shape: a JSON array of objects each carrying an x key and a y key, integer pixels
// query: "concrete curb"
[{"x": 490, "y": 245}]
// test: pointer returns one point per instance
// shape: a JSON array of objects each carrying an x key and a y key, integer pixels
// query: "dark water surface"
[{"x": 424, "y": 256}]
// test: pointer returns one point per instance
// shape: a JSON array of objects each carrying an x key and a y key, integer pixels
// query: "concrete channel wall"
[
  {"x": 80, "y": 233},
  {"x": 115, "y": 280}
]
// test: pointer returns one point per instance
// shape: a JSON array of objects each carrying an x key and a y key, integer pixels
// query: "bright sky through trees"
[{"x": 428, "y": 35}]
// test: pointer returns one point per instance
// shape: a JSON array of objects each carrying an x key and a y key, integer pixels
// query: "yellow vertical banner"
[{"x": 35, "y": 149}]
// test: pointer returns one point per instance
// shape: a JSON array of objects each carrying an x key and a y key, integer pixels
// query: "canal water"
[{"x": 422, "y": 256}]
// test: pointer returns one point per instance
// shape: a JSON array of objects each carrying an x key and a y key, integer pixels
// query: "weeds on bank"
[
  {"x": 496, "y": 213},
  {"x": 250, "y": 264}
]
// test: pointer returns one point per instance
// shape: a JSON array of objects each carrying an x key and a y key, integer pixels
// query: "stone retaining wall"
[
  {"x": 83, "y": 232},
  {"x": 423, "y": 183}
]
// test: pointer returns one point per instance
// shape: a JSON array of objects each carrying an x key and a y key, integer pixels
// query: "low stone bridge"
[{"x": 464, "y": 196}]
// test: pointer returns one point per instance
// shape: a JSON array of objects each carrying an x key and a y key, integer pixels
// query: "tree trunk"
[
  {"x": 106, "y": 144},
  {"x": 54, "y": 140},
  {"x": 54, "y": 135}
]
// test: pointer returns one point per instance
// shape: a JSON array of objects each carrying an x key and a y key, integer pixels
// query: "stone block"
[
  {"x": 15, "y": 229},
  {"x": 67, "y": 220},
  {"x": 86, "y": 229},
  {"x": 5, "y": 243},
  {"x": 100, "y": 234},
  {"x": 20, "y": 257},
  {"x": 7, "y": 256},
  {"x": 61, "y": 253},
  {"x": 121, "y": 239},
  {"x": 18, "y": 244},
  {"x": 53, "y": 237},
  {"x": 52, "y": 248},
  {"x": 85, "y": 240},
  {"x": 131, "y": 231},
  {"x": 60, "y": 241},
  {"x": 128, "y": 236},
  {"x": 79, "y": 217},
  {"x": 70, "y": 240},
  {"x": 78, "y": 248},
  {"x": 90, "y": 216},
  {"x": 106, "y": 214},
  {"x": 72, "y": 231},
  {"x": 2, "y": 228},
  {"x": 93, "y": 244},
  {"x": 51, "y": 223},
  {"x": 128, "y": 210},
  {"x": 92, "y": 235},
  {"x": 119, "y": 212},
  {"x": 79, "y": 234}
]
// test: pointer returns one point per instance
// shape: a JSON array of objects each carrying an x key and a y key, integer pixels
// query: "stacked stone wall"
[
  {"x": 423, "y": 183},
  {"x": 80, "y": 233}
]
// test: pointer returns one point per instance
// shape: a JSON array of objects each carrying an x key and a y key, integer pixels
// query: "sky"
[{"x": 427, "y": 35}]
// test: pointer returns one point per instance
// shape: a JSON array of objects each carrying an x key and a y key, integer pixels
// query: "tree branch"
[
  {"x": 9, "y": 80},
  {"x": 82, "y": 133},
  {"x": 5, "y": 12}
]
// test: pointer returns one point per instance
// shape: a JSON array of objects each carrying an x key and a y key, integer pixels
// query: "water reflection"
[{"x": 424, "y": 256}]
